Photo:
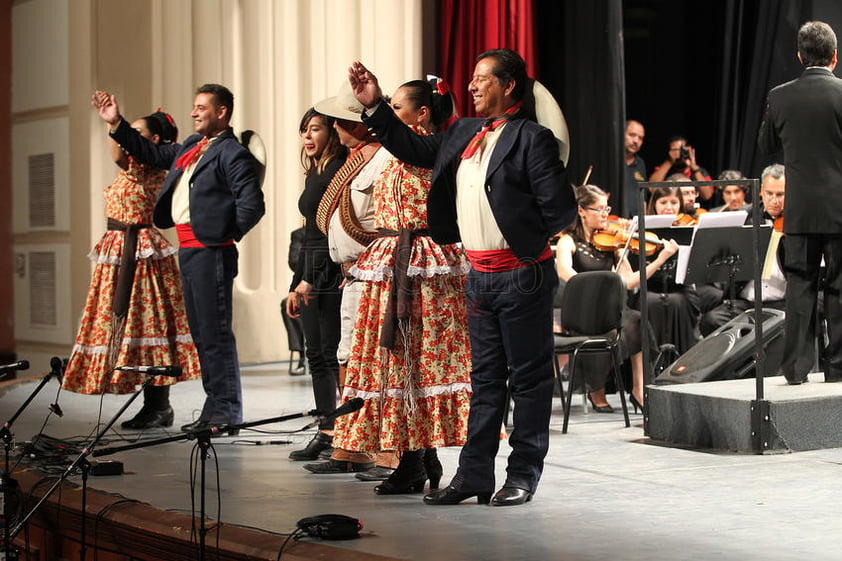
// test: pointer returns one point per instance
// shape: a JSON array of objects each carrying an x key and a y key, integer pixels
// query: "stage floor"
[{"x": 606, "y": 493}]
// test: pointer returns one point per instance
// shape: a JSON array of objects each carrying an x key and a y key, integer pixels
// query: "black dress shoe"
[
  {"x": 338, "y": 466},
  {"x": 451, "y": 495},
  {"x": 150, "y": 419},
  {"x": 197, "y": 426},
  {"x": 797, "y": 381},
  {"x": 377, "y": 473},
  {"x": 510, "y": 496},
  {"x": 311, "y": 452}
]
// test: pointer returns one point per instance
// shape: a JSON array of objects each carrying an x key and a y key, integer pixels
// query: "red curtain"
[{"x": 469, "y": 27}]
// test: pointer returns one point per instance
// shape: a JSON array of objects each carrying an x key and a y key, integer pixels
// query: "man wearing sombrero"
[{"x": 499, "y": 188}]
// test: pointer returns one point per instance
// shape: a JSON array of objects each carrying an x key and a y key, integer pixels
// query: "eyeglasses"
[{"x": 602, "y": 210}]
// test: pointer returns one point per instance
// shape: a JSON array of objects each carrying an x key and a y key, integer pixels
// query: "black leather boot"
[
  {"x": 311, "y": 452},
  {"x": 409, "y": 477},
  {"x": 156, "y": 411}
]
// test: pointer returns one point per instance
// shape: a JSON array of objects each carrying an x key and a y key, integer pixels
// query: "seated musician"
[
  {"x": 577, "y": 252},
  {"x": 733, "y": 195},
  {"x": 710, "y": 295},
  {"x": 674, "y": 309},
  {"x": 772, "y": 190}
]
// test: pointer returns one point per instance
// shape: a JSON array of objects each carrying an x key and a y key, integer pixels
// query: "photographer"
[{"x": 681, "y": 158}]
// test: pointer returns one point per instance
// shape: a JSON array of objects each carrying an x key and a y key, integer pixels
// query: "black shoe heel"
[
  {"x": 600, "y": 408},
  {"x": 433, "y": 467},
  {"x": 635, "y": 403}
]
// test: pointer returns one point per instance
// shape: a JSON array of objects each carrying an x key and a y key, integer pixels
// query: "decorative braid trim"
[
  {"x": 133, "y": 342},
  {"x": 398, "y": 393},
  {"x": 145, "y": 254},
  {"x": 384, "y": 271}
]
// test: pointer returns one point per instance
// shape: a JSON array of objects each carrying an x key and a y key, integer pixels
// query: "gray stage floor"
[{"x": 606, "y": 492}]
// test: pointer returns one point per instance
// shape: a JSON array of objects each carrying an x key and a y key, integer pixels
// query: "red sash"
[
  {"x": 501, "y": 260},
  {"x": 186, "y": 237}
]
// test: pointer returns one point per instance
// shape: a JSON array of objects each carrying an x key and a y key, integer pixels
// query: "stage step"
[{"x": 717, "y": 415}]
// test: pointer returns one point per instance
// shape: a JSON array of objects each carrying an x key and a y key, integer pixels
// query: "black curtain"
[
  {"x": 580, "y": 54},
  {"x": 699, "y": 68},
  {"x": 759, "y": 45}
]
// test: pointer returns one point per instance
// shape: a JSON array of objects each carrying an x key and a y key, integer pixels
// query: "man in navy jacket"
[
  {"x": 803, "y": 119},
  {"x": 213, "y": 196},
  {"x": 498, "y": 187}
]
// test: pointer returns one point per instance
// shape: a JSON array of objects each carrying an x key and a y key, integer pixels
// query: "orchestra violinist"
[{"x": 576, "y": 253}]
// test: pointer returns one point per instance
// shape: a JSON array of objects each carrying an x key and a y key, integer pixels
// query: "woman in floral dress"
[
  {"x": 410, "y": 359},
  {"x": 134, "y": 314}
]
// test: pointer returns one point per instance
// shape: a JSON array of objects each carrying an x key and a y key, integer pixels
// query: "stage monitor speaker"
[{"x": 728, "y": 352}]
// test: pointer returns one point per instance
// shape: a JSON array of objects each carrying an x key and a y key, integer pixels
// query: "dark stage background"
[{"x": 699, "y": 68}]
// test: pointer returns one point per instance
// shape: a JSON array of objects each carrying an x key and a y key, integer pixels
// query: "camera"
[{"x": 684, "y": 153}]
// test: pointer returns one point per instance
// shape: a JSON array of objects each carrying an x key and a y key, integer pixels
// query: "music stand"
[{"x": 724, "y": 255}]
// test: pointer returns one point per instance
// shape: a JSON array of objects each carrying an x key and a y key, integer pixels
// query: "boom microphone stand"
[
  {"x": 203, "y": 441},
  {"x": 81, "y": 463},
  {"x": 7, "y": 436}
]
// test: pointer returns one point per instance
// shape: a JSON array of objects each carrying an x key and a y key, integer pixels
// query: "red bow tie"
[
  {"x": 488, "y": 126},
  {"x": 189, "y": 158}
]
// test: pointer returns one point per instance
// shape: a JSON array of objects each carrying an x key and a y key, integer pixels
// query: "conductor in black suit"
[
  {"x": 498, "y": 187},
  {"x": 804, "y": 119}
]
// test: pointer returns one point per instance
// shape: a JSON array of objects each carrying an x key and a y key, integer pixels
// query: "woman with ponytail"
[
  {"x": 134, "y": 314},
  {"x": 410, "y": 359}
]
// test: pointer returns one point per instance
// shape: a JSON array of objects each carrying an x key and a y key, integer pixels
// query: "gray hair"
[{"x": 775, "y": 170}]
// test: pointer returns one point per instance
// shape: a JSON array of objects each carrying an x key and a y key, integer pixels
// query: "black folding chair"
[{"x": 592, "y": 320}]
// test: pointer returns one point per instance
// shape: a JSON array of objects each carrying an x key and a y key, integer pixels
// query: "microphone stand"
[
  {"x": 8, "y": 482},
  {"x": 203, "y": 441},
  {"x": 84, "y": 465}
]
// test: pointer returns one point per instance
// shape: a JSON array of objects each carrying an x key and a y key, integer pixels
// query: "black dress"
[{"x": 674, "y": 309}]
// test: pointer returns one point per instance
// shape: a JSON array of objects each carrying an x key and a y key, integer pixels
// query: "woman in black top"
[
  {"x": 315, "y": 293},
  {"x": 674, "y": 309},
  {"x": 576, "y": 253}
]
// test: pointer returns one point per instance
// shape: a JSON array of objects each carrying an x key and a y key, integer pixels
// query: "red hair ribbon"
[{"x": 167, "y": 115}]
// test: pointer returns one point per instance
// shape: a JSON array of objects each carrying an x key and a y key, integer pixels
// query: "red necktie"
[
  {"x": 488, "y": 126},
  {"x": 189, "y": 158}
]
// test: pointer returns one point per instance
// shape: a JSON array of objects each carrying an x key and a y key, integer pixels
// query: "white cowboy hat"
[{"x": 341, "y": 106}]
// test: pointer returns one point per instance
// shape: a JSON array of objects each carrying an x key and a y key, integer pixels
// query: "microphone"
[
  {"x": 171, "y": 371},
  {"x": 348, "y": 407},
  {"x": 57, "y": 367},
  {"x": 19, "y": 365}
]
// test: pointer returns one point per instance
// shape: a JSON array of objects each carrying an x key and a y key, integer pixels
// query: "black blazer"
[
  {"x": 226, "y": 200},
  {"x": 804, "y": 118},
  {"x": 525, "y": 182}
]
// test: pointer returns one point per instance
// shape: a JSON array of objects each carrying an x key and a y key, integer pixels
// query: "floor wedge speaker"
[{"x": 728, "y": 352}]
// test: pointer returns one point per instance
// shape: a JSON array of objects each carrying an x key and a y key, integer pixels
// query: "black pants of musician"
[
  {"x": 207, "y": 277},
  {"x": 510, "y": 324},
  {"x": 321, "y": 335},
  {"x": 802, "y": 269}
]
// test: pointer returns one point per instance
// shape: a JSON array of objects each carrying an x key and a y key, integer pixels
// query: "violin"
[
  {"x": 612, "y": 240},
  {"x": 685, "y": 220},
  {"x": 778, "y": 224},
  {"x": 688, "y": 219}
]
